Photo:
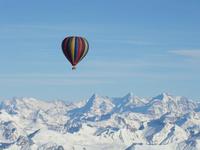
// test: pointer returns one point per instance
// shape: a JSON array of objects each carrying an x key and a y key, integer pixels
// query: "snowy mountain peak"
[
  {"x": 99, "y": 105},
  {"x": 95, "y": 99},
  {"x": 130, "y": 95},
  {"x": 110, "y": 123},
  {"x": 163, "y": 97},
  {"x": 94, "y": 96},
  {"x": 128, "y": 102}
]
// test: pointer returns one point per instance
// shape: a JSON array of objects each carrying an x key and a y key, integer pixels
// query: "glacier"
[{"x": 129, "y": 122}]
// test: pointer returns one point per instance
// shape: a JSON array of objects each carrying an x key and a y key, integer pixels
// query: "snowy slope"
[{"x": 124, "y": 123}]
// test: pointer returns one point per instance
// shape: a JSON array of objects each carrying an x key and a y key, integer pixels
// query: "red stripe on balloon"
[
  {"x": 79, "y": 50},
  {"x": 82, "y": 49}
]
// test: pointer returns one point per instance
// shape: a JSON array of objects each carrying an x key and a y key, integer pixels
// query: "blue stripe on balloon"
[{"x": 76, "y": 48}]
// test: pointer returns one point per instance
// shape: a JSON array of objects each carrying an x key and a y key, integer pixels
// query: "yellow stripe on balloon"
[{"x": 72, "y": 47}]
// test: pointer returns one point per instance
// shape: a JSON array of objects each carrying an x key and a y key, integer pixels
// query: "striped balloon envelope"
[{"x": 75, "y": 49}]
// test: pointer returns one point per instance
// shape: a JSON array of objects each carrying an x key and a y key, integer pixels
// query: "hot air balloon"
[{"x": 75, "y": 49}]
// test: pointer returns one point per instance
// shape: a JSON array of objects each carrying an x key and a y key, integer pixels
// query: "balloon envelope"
[{"x": 75, "y": 49}]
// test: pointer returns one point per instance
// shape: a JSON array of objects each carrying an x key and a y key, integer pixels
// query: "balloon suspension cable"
[{"x": 74, "y": 68}]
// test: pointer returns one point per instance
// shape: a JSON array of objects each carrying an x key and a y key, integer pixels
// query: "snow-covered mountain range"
[{"x": 127, "y": 123}]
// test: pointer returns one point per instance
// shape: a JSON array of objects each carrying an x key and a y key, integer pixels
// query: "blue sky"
[{"x": 146, "y": 47}]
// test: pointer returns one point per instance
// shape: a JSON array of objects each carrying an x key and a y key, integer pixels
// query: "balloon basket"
[{"x": 73, "y": 68}]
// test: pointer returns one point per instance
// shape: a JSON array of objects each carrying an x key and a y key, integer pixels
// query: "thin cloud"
[
  {"x": 51, "y": 81},
  {"x": 124, "y": 41},
  {"x": 187, "y": 53}
]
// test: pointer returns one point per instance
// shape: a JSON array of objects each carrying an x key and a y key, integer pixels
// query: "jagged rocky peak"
[
  {"x": 95, "y": 106},
  {"x": 130, "y": 95},
  {"x": 129, "y": 99},
  {"x": 99, "y": 104},
  {"x": 163, "y": 96},
  {"x": 95, "y": 96}
]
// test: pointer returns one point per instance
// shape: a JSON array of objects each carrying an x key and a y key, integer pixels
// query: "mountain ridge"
[{"x": 101, "y": 122}]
